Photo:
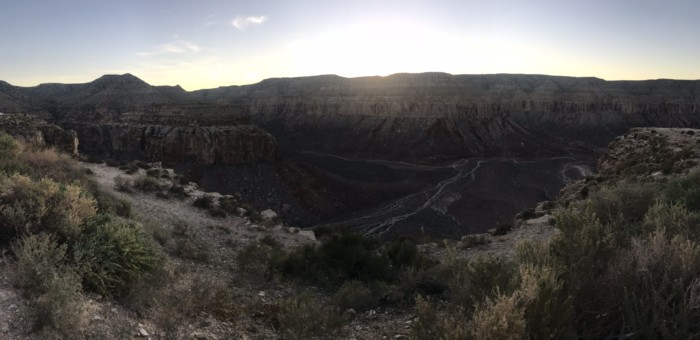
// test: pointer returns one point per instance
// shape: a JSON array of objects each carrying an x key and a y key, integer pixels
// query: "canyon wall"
[{"x": 435, "y": 115}]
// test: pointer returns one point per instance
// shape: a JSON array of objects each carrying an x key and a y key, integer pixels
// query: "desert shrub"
[
  {"x": 183, "y": 180},
  {"x": 131, "y": 169},
  {"x": 45, "y": 162},
  {"x": 548, "y": 308},
  {"x": 217, "y": 212},
  {"x": 204, "y": 202},
  {"x": 178, "y": 191},
  {"x": 228, "y": 204},
  {"x": 675, "y": 218},
  {"x": 162, "y": 194},
  {"x": 142, "y": 164},
  {"x": 111, "y": 254},
  {"x": 339, "y": 258},
  {"x": 527, "y": 214},
  {"x": 252, "y": 213},
  {"x": 153, "y": 172},
  {"x": 469, "y": 241},
  {"x": 355, "y": 294},
  {"x": 502, "y": 229},
  {"x": 260, "y": 259},
  {"x": 434, "y": 324},
  {"x": 60, "y": 307},
  {"x": 52, "y": 285},
  {"x": 147, "y": 184},
  {"x": 9, "y": 150},
  {"x": 123, "y": 184},
  {"x": 106, "y": 202},
  {"x": 188, "y": 250},
  {"x": 28, "y": 206},
  {"x": 305, "y": 317},
  {"x": 685, "y": 191},
  {"x": 112, "y": 163},
  {"x": 535, "y": 253},
  {"x": 623, "y": 203},
  {"x": 656, "y": 284},
  {"x": 497, "y": 318},
  {"x": 471, "y": 282},
  {"x": 404, "y": 253},
  {"x": 37, "y": 258}
]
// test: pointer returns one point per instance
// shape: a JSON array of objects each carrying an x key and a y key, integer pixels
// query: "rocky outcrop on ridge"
[{"x": 651, "y": 151}]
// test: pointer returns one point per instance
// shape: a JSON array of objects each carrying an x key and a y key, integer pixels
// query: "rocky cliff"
[{"x": 204, "y": 145}]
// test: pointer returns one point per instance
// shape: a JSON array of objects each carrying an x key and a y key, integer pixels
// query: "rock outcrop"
[
  {"x": 33, "y": 130},
  {"x": 649, "y": 151}
]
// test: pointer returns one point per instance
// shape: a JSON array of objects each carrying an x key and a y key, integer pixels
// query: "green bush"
[
  {"x": 178, "y": 191},
  {"x": 339, "y": 258},
  {"x": 112, "y": 253},
  {"x": 217, "y": 212},
  {"x": 624, "y": 203},
  {"x": 228, "y": 204},
  {"x": 38, "y": 258},
  {"x": 147, "y": 184},
  {"x": 685, "y": 191},
  {"x": 153, "y": 172},
  {"x": 52, "y": 285},
  {"x": 28, "y": 206},
  {"x": 188, "y": 250},
  {"x": 356, "y": 295},
  {"x": 252, "y": 213},
  {"x": 60, "y": 307},
  {"x": 204, "y": 202},
  {"x": 305, "y": 317},
  {"x": 123, "y": 184},
  {"x": 260, "y": 259},
  {"x": 655, "y": 288}
]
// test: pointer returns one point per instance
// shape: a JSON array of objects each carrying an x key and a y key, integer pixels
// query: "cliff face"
[
  {"x": 223, "y": 145},
  {"x": 36, "y": 131},
  {"x": 434, "y": 114}
]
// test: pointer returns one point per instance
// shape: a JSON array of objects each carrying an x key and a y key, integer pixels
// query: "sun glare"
[{"x": 376, "y": 48}]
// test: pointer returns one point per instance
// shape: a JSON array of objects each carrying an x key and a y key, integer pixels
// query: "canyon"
[{"x": 429, "y": 154}]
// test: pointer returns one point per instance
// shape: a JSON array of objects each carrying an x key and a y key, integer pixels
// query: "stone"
[
  {"x": 240, "y": 211},
  {"x": 309, "y": 234},
  {"x": 268, "y": 215},
  {"x": 142, "y": 332}
]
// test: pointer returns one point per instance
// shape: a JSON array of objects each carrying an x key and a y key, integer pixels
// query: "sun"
[{"x": 373, "y": 48}]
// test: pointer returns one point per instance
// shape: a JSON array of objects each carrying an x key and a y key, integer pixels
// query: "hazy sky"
[{"x": 205, "y": 43}]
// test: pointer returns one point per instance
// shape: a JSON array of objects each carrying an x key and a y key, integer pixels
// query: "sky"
[{"x": 211, "y": 43}]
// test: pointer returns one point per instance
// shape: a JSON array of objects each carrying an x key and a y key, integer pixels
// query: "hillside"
[{"x": 624, "y": 248}]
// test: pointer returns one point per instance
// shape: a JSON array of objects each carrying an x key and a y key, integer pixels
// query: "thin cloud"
[
  {"x": 242, "y": 23},
  {"x": 210, "y": 20},
  {"x": 178, "y": 46}
]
